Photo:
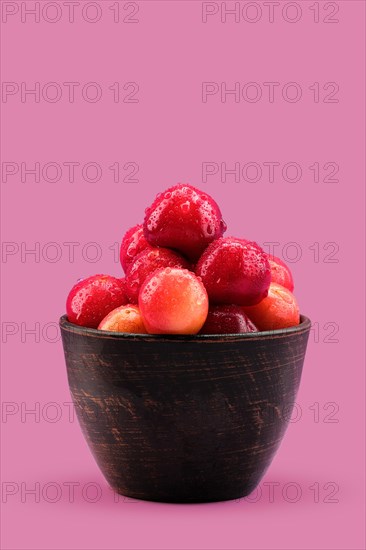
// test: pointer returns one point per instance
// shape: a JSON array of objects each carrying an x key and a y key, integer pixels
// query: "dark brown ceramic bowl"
[{"x": 184, "y": 418}]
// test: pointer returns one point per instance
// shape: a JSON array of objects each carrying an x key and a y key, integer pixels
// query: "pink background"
[{"x": 169, "y": 133}]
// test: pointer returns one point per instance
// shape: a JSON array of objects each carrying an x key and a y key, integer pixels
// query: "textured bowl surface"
[{"x": 184, "y": 418}]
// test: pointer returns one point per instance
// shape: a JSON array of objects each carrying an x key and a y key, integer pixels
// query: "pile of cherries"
[{"x": 183, "y": 277}]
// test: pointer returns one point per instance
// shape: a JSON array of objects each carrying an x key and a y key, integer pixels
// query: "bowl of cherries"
[{"x": 184, "y": 371}]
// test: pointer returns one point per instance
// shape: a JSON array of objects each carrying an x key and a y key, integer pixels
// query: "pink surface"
[{"x": 169, "y": 125}]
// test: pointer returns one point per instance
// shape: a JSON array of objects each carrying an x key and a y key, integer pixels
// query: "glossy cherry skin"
[
  {"x": 227, "y": 320},
  {"x": 185, "y": 219},
  {"x": 278, "y": 310},
  {"x": 91, "y": 299},
  {"x": 173, "y": 301},
  {"x": 234, "y": 271},
  {"x": 146, "y": 262},
  {"x": 280, "y": 273},
  {"x": 132, "y": 244},
  {"x": 124, "y": 319}
]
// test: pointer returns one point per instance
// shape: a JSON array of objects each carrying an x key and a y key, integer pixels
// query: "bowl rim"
[{"x": 303, "y": 326}]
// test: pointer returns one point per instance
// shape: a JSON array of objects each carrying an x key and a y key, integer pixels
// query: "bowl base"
[{"x": 193, "y": 499}]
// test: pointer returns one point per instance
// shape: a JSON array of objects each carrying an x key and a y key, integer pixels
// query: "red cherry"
[
  {"x": 183, "y": 218},
  {"x": 173, "y": 301},
  {"x": 145, "y": 263},
  {"x": 280, "y": 273},
  {"x": 132, "y": 244},
  {"x": 234, "y": 271},
  {"x": 278, "y": 310},
  {"x": 227, "y": 320},
  {"x": 91, "y": 299}
]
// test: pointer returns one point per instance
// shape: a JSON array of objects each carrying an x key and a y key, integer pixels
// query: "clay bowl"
[{"x": 184, "y": 418}]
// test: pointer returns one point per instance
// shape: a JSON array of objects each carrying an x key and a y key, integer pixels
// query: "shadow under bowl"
[{"x": 175, "y": 418}]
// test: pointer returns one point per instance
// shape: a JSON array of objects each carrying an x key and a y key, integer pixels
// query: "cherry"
[
  {"x": 278, "y": 310},
  {"x": 183, "y": 218},
  {"x": 132, "y": 244},
  {"x": 91, "y": 299},
  {"x": 234, "y": 271},
  {"x": 173, "y": 301},
  {"x": 227, "y": 320},
  {"x": 183, "y": 230},
  {"x": 147, "y": 261},
  {"x": 124, "y": 319},
  {"x": 280, "y": 273}
]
